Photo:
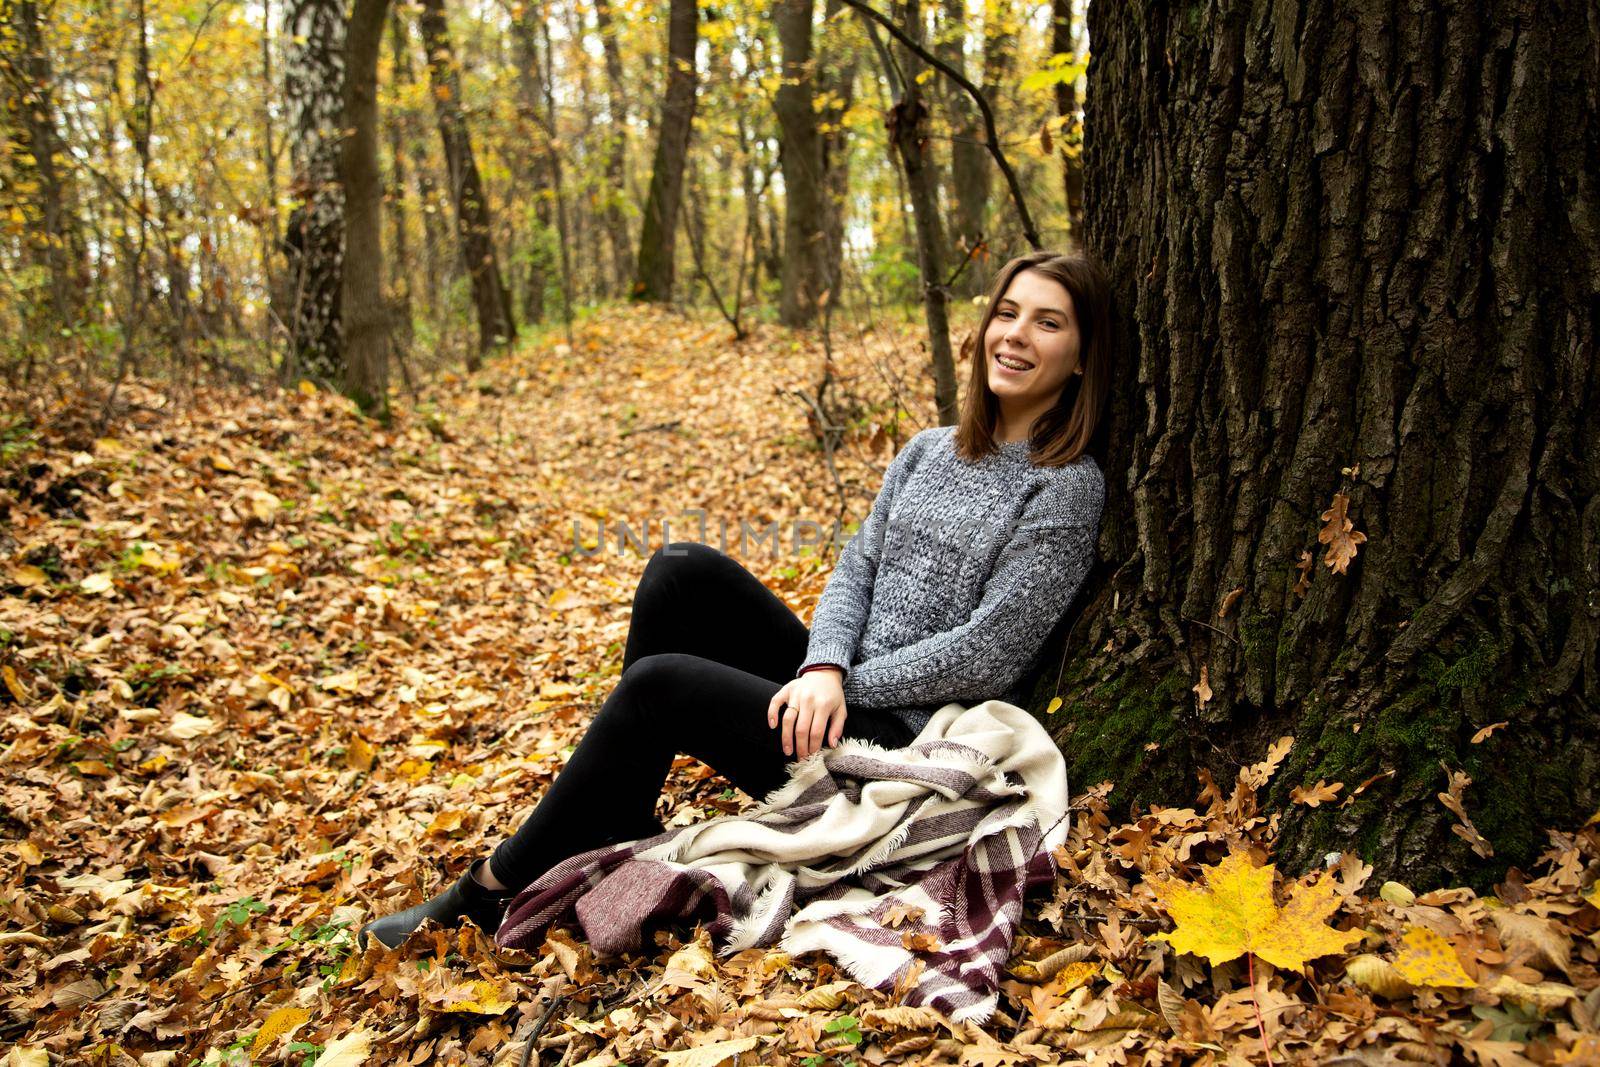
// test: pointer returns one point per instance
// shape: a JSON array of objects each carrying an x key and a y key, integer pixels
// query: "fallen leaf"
[
  {"x": 1235, "y": 913},
  {"x": 1376, "y": 975},
  {"x": 1477, "y": 738},
  {"x": 349, "y": 1050},
  {"x": 1427, "y": 959},
  {"x": 97, "y": 583},
  {"x": 13, "y": 684},
  {"x": 186, "y": 727},
  {"x": 1339, "y": 535},
  {"x": 280, "y": 1024},
  {"x": 1320, "y": 793},
  {"x": 705, "y": 1055}
]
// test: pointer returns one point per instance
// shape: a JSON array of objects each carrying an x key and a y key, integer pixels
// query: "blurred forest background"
[{"x": 178, "y": 194}]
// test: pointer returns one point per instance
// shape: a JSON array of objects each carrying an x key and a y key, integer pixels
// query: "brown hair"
[{"x": 1063, "y": 433}]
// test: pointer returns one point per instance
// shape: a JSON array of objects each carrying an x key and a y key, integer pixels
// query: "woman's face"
[{"x": 1035, "y": 329}]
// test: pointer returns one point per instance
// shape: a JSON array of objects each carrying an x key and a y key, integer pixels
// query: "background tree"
[
  {"x": 31, "y": 123},
  {"x": 616, "y": 149},
  {"x": 1361, "y": 499},
  {"x": 474, "y": 225},
  {"x": 313, "y": 89},
  {"x": 654, "y": 272},
  {"x": 804, "y": 241},
  {"x": 366, "y": 317}
]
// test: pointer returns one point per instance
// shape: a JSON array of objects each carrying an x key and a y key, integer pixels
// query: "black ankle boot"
[{"x": 464, "y": 899}]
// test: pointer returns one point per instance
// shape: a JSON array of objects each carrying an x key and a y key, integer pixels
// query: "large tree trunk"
[
  {"x": 474, "y": 227},
  {"x": 313, "y": 85},
  {"x": 616, "y": 149},
  {"x": 366, "y": 319},
  {"x": 1375, "y": 280},
  {"x": 800, "y": 156},
  {"x": 658, "y": 239}
]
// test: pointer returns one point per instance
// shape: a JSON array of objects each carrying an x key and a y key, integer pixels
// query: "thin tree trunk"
[
  {"x": 1064, "y": 40},
  {"x": 557, "y": 179},
  {"x": 586, "y": 229},
  {"x": 55, "y": 243},
  {"x": 653, "y": 275},
  {"x": 402, "y": 271},
  {"x": 474, "y": 226},
  {"x": 404, "y": 122},
  {"x": 969, "y": 160},
  {"x": 313, "y": 78},
  {"x": 800, "y": 154},
  {"x": 1348, "y": 310},
  {"x": 616, "y": 150},
  {"x": 530, "y": 105},
  {"x": 837, "y": 80},
  {"x": 366, "y": 318},
  {"x": 907, "y": 123},
  {"x": 267, "y": 212}
]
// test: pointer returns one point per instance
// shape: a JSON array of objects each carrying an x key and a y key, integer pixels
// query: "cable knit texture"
[{"x": 950, "y": 587}]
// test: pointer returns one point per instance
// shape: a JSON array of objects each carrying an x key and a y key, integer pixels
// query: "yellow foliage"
[
  {"x": 1235, "y": 914},
  {"x": 279, "y": 1024},
  {"x": 1427, "y": 959}
]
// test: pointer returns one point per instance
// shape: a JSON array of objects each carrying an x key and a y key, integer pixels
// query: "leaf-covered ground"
[{"x": 269, "y": 669}]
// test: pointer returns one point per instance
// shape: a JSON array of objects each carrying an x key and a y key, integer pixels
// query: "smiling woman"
[
  {"x": 976, "y": 545},
  {"x": 1046, "y": 366}
]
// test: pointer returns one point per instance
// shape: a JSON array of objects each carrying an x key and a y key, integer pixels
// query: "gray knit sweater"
[{"x": 950, "y": 587}]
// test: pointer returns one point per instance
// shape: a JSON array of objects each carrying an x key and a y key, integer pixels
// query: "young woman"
[{"x": 974, "y": 548}]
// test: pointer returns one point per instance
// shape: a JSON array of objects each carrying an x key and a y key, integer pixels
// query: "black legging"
[{"x": 708, "y": 647}]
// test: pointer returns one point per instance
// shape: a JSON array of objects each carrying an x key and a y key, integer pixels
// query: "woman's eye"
[{"x": 1049, "y": 322}]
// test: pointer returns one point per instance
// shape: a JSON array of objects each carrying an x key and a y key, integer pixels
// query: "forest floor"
[{"x": 270, "y": 668}]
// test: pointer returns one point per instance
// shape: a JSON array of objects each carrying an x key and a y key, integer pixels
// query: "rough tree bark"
[
  {"x": 1368, "y": 276},
  {"x": 366, "y": 318},
  {"x": 653, "y": 273},
  {"x": 474, "y": 226},
  {"x": 313, "y": 86},
  {"x": 801, "y": 158}
]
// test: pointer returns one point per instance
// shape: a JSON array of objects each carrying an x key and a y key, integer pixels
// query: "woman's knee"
[
  {"x": 648, "y": 677},
  {"x": 684, "y": 557}
]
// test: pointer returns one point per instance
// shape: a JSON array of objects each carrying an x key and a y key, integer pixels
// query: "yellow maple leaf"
[
  {"x": 1235, "y": 914},
  {"x": 1427, "y": 959}
]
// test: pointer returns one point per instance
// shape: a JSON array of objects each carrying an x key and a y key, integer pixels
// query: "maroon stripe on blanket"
[{"x": 949, "y": 779}]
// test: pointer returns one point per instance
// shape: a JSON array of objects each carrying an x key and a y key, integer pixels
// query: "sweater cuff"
[
  {"x": 820, "y": 667},
  {"x": 823, "y": 651}
]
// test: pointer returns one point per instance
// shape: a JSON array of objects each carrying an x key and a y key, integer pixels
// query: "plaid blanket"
[{"x": 908, "y": 866}]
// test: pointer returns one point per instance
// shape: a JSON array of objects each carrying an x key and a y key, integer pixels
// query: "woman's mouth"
[{"x": 1012, "y": 364}]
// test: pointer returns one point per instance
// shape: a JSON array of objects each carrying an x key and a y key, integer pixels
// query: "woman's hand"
[{"x": 815, "y": 711}]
